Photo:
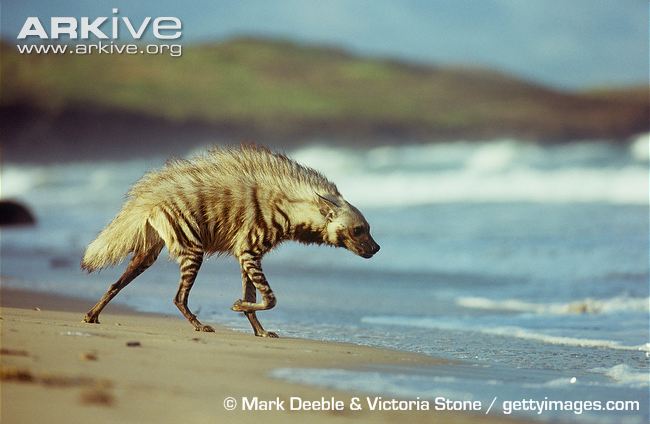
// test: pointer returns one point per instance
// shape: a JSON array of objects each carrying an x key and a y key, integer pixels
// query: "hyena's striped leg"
[
  {"x": 252, "y": 266},
  {"x": 138, "y": 264},
  {"x": 189, "y": 265},
  {"x": 248, "y": 295}
]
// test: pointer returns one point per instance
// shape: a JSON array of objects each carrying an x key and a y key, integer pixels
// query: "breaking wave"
[
  {"x": 496, "y": 171},
  {"x": 584, "y": 306},
  {"x": 624, "y": 374}
]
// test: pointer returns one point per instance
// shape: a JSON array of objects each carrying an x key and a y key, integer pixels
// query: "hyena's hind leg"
[
  {"x": 249, "y": 295},
  {"x": 138, "y": 264},
  {"x": 189, "y": 264}
]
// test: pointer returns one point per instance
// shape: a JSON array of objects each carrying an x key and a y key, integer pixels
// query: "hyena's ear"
[{"x": 328, "y": 205}]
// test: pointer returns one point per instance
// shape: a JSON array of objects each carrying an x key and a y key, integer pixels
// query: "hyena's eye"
[{"x": 357, "y": 231}]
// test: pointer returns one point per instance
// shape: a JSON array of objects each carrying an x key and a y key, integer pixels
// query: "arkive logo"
[{"x": 162, "y": 28}]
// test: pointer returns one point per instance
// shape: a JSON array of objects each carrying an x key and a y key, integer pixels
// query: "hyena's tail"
[{"x": 128, "y": 232}]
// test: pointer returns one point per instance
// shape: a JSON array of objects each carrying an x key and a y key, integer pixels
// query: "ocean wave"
[
  {"x": 583, "y": 306},
  {"x": 624, "y": 374},
  {"x": 640, "y": 148},
  {"x": 72, "y": 183},
  {"x": 495, "y": 171},
  {"x": 506, "y": 331}
]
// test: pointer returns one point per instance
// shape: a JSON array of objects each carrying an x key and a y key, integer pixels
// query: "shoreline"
[
  {"x": 30, "y": 299},
  {"x": 144, "y": 367}
]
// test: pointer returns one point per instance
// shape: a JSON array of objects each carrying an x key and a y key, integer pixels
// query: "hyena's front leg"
[
  {"x": 249, "y": 295},
  {"x": 252, "y": 269}
]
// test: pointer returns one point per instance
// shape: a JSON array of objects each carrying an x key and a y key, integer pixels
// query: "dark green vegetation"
[{"x": 283, "y": 93}]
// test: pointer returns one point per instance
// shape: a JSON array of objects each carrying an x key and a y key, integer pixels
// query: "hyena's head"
[{"x": 346, "y": 226}]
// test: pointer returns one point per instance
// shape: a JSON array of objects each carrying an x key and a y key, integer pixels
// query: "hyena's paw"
[
  {"x": 238, "y": 307},
  {"x": 204, "y": 328},
  {"x": 91, "y": 319},
  {"x": 269, "y": 334}
]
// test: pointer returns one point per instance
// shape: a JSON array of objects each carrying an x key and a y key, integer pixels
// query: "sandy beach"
[{"x": 137, "y": 367}]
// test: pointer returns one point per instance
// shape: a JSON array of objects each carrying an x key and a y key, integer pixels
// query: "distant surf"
[
  {"x": 491, "y": 171},
  {"x": 494, "y": 171},
  {"x": 583, "y": 306}
]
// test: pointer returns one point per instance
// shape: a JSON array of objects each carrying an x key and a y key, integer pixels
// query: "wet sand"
[{"x": 141, "y": 368}]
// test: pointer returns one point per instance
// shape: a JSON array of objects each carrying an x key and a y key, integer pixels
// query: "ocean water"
[{"x": 527, "y": 264}]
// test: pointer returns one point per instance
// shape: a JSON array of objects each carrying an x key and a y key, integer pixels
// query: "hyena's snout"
[{"x": 368, "y": 248}]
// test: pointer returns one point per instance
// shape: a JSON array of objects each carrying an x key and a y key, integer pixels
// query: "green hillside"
[{"x": 279, "y": 89}]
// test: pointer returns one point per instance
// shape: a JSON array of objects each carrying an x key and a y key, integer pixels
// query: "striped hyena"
[{"x": 242, "y": 202}]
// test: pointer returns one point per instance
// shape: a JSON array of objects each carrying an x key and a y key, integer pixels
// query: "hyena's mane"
[
  {"x": 257, "y": 165},
  {"x": 246, "y": 165}
]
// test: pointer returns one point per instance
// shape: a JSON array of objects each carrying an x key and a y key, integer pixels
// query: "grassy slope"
[{"x": 283, "y": 88}]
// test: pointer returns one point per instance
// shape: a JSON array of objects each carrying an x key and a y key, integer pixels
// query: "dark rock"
[{"x": 15, "y": 213}]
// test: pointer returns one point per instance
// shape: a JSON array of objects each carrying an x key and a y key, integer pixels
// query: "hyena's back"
[{"x": 219, "y": 203}]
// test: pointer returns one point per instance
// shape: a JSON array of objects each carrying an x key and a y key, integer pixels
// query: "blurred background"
[
  {"x": 498, "y": 148},
  {"x": 354, "y": 73}
]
